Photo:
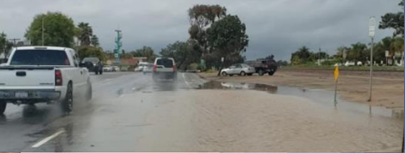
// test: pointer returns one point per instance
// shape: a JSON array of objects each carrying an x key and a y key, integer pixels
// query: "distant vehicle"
[
  {"x": 359, "y": 63},
  {"x": 266, "y": 65},
  {"x": 141, "y": 66},
  {"x": 43, "y": 75},
  {"x": 238, "y": 69},
  {"x": 164, "y": 69},
  {"x": 107, "y": 69},
  {"x": 148, "y": 69},
  {"x": 115, "y": 68},
  {"x": 93, "y": 64}
]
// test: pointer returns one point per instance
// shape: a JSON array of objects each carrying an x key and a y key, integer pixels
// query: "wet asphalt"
[
  {"x": 93, "y": 125},
  {"x": 115, "y": 118}
]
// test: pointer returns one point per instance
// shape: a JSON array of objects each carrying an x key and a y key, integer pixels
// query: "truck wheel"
[
  {"x": 3, "y": 106},
  {"x": 224, "y": 74},
  {"x": 271, "y": 72},
  {"x": 243, "y": 73},
  {"x": 67, "y": 103},
  {"x": 261, "y": 73}
]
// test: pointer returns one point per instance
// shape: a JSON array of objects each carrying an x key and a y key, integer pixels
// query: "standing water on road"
[{"x": 322, "y": 97}]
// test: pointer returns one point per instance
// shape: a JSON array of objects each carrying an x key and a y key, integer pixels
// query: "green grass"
[{"x": 349, "y": 68}]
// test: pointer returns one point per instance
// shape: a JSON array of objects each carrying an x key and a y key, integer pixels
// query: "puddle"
[{"x": 321, "y": 97}]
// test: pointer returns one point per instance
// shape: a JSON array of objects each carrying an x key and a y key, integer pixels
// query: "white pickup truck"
[{"x": 38, "y": 74}]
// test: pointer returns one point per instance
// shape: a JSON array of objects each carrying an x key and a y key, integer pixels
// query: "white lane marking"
[
  {"x": 45, "y": 140},
  {"x": 186, "y": 80}
]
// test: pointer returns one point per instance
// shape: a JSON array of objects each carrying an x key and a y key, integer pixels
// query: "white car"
[
  {"x": 43, "y": 75},
  {"x": 164, "y": 69},
  {"x": 139, "y": 68},
  {"x": 238, "y": 69},
  {"x": 107, "y": 69}
]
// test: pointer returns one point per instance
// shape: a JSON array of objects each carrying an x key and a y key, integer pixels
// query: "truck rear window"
[
  {"x": 39, "y": 57},
  {"x": 165, "y": 62}
]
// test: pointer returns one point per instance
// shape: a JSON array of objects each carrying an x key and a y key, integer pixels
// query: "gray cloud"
[{"x": 276, "y": 27}]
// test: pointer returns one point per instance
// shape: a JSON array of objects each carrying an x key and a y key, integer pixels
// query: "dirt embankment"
[{"x": 388, "y": 87}]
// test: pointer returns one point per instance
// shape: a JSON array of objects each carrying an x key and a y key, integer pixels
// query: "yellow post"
[{"x": 336, "y": 76}]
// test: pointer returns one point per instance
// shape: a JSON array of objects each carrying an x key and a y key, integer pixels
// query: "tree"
[
  {"x": 357, "y": 52},
  {"x": 181, "y": 52},
  {"x": 227, "y": 38},
  {"x": 145, "y": 51},
  {"x": 59, "y": 30},
  {"x": 94, "y": 41},
  {"x": 394, "y": 21},
  {"x": 90, "y": 51},
  {"x": 201, "y": 17},
  {"x": 302, "y": 55},
  {"x": 85, "y": 34},
  {"x": 3, "y": 42}
]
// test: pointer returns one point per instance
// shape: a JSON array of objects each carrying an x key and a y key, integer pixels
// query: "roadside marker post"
[
  {"x": 336, "y": 77},
  {"x": 371, "y": 34}
]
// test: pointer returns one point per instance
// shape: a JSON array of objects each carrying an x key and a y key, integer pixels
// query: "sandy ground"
[
  {"x": 388, "y": 87},
  {"x": 243, "y": 120}
]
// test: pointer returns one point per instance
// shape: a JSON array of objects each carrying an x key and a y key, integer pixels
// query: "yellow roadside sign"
[{"x": 336, "y": 73}]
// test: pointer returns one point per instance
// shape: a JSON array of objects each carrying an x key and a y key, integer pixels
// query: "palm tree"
[
  {"x": 85, "y": 34},
  {"x": 94, "y": 41}
]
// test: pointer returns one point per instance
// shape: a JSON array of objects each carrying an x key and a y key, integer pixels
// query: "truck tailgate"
[{"x": 12, "y": 77}]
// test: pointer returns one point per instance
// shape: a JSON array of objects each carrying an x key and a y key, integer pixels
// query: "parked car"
[
  {"x": 93, "y": 64},
  {"x": 43, "y": 75},
  {"x": 263, "y": 66},
  {"x": 164, "y": 69},
  {"x": 238, "y": 69}
]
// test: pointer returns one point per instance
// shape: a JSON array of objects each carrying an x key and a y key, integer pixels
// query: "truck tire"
[
  {"x": 271, "y": 72},
  {"x": 67, "y": 103},
  {"x": 261, "y": 72},
  {"x": 224, "y": 74},
  {"x": 3, "y": 106},
  {"x": 243, "y": 73}
]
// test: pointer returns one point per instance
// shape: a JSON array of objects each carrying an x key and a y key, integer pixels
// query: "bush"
[
  {"x": 193, "y": 66},
  {"x": 212, "y": 71}
]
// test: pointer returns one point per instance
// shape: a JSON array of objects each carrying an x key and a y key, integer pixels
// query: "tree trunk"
[{"x": 220, "y": 68}]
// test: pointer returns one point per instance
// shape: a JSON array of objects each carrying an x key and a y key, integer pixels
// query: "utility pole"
[
  {"x": 118, "y": 45},
  {"x": 371, "y": 34}
]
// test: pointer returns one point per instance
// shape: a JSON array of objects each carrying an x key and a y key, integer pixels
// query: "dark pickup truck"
[{"x": 263, "y": 66}]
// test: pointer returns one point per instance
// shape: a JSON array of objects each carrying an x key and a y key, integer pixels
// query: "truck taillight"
[
  {"x": 154, "y": 68},
  {"x": 174, "y": 68},
  {"x": 58, "y": 78}
]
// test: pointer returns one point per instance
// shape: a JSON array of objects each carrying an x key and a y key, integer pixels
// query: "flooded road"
[{"x": 129, "y": 112}]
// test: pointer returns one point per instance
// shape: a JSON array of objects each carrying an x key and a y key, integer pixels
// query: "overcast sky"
[{"x": 276, "y": 27}]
